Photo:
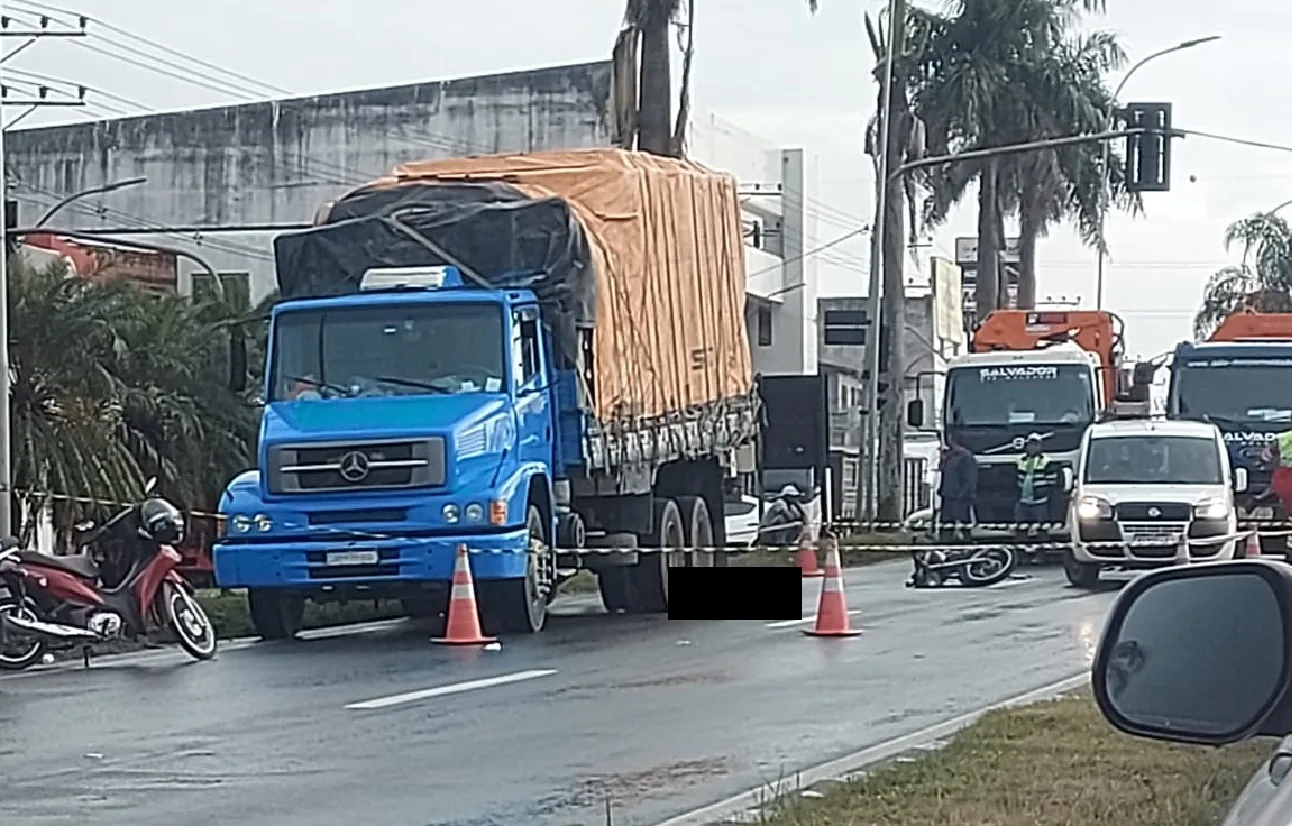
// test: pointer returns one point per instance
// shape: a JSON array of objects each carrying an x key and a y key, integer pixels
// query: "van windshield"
[
  {"x": 388, "y": 350},
  {"x": 1154, "y": 460}
]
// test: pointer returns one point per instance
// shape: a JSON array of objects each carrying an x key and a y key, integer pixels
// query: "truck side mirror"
[
  {"x": 237, "y": 360},
  {"x": 1166, "y": 670},
  {"x": 915, "y": 413},
  {"x": 1240, "y": 479},
  {"x": 1065, "y": 479}
]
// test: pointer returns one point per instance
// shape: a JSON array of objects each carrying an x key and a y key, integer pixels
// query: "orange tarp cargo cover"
[{"x": 665, "y": 236}]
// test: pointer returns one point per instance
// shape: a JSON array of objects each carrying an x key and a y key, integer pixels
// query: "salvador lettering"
[
  {"x": 1024, "y": 372},
  {"x": 1250, "y": 436}
]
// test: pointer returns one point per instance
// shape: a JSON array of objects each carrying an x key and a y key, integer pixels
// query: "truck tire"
[
  {"x": 1084, "y": 575},
  {"x": 275, "y": 615},
  {"x": 649, "y": 577},
  {"x": 519, "y": 606},
  {"x": 697, "y": 526},
  {"x": 614, "y": 585}
]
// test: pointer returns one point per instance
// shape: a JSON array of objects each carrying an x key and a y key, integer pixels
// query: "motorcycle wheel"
[
  {"x": 987, "y": 567},
  {"x": 19, "y": 652},
  {"x": 184, "y": 615}
]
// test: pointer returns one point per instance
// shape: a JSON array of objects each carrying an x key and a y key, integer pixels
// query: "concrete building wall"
[{"x": 272, "y": 163}]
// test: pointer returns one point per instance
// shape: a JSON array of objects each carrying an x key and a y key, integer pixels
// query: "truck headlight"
[
  {"x": 1093, "y": 507},
  {"x": 1211, "y": 509},
  {"x": 475, "y": 512},
  {"x": 263, "y": 522},
  {"x": 451, "y": 513},
  {"x": 240, "y": 523}
]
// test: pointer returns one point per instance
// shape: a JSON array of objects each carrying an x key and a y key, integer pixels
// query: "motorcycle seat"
[{"x": 78, "y": 564}]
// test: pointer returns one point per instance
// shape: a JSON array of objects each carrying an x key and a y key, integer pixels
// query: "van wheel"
[
  {"x": 1084, "y": 575},
  {"x": 519, "y": 606}
]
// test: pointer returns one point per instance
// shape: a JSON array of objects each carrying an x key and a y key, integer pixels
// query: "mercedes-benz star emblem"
[
  {"x": 354, "y": 466},
  {"x": 1153, "y": 512}
]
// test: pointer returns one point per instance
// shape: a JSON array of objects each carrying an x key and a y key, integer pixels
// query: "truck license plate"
[{"x": 352, "y": 558}]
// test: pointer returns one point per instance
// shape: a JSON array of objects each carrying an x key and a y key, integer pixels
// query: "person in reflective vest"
[
  {"x": 1279, "y": 454},
  {"x": 1036, "y": 481}
]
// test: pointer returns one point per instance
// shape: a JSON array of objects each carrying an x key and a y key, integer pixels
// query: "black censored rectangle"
[{"x": 764, "y": 594}]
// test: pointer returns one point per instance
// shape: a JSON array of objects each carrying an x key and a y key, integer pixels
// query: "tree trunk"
[
  {"x": 987, "y": 287},
  {"x": 654, "y": 117},
  {"x": 1029, "y": 231}
]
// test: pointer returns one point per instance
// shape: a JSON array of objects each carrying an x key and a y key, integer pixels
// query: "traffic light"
[{"x": 1148, "y": 154}]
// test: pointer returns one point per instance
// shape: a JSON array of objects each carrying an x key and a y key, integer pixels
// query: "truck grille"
[{"x": 317, "y": 468}]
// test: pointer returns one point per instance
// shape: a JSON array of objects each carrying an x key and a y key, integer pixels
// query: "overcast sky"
[{"x": 769, "y": 66}]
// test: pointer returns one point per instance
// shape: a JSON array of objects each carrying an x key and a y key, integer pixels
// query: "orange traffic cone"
[
  {"x": 832, "y": 611},
  {"x": 463, "y": 627},
  {"x": 1252, "y": 547},
  {"x": 806, "y": 559},
  {"x": 1182, "y": 551}
]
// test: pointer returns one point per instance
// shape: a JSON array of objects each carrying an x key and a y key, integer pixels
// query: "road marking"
[
  {"x": 804, "y": 621},
  {"x": 452, "y": 688}
]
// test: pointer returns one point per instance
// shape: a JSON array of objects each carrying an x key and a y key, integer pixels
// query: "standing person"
[
  {"x": 1279, "y": 455},
  {"x": 1036, "y": 482},
  {"x": 958, "y": 487}
]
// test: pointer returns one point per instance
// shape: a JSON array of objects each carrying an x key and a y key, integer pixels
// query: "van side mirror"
[
  {"x": 1065, "y": 479},
  {"x": 1166, "y": 670},
  {"x": 915, "y": 413},
  {"x": 1240, "y": 479}
]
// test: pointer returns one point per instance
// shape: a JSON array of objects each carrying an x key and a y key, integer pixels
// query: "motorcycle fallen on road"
[
  {"x": 124, "y": 585},
  {"x": 973, "y": 567}
]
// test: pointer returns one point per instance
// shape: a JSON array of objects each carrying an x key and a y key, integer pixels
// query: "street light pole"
[
  {"x": 1105, "y": 186},
  {"x": 85, "y": 193}
]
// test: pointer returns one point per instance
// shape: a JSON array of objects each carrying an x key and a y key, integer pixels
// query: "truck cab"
[{"x": 1244, "y": 388}]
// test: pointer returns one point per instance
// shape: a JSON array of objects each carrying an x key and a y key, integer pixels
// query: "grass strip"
[{"x": 1054, "y": 763}]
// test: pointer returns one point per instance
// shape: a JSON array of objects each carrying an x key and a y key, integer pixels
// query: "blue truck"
[
  {"x": 1244, "y": 387},
  {"x": 541, "y": 357}
]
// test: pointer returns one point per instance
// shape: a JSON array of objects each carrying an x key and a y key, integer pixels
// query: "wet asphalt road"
[{"x": 663, "y": 716}]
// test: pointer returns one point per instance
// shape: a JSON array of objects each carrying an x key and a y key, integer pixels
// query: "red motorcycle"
[{"x": 126, "y": 586}]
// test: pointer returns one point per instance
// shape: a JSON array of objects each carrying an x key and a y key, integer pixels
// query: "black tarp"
[{"x": 499, "y": 234}]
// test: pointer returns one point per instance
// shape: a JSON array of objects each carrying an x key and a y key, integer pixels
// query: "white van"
[{"x": 1141, "y": 485}]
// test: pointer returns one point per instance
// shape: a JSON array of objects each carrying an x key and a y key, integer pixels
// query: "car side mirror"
[
  {"x": 237, "y": 360},
  {"x": 1240, "y": 479},
  {"x": 1167, "y": 670},
  {"x": 1065, "y": 479},
  {"x": 915, "y": 413}
]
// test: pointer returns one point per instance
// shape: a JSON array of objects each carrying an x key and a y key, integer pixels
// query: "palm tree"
[
  {"x": 111, "y": 385},
  {"x": 1262, "y": 281},
  {"x": 996, "y": 72},
  {"x": 642, "y": 48}
]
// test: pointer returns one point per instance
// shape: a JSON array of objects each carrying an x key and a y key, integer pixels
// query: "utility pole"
[
  {"x": 887, "y": 305},
  {"x": 20, "y": 94}
]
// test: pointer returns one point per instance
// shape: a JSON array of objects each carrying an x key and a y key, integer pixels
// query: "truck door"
[{"x": 532, "y": 390}]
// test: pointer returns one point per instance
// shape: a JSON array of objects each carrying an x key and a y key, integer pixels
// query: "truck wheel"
[
  {"x": 649, "y": 592},
  {"x": 519, "y": 606},
  {"x": 614, "y": 585},
  {"x": 1084, "y": 575},
  {"x": 698, "y": 529},
  {"x": 275, "y": 615}
]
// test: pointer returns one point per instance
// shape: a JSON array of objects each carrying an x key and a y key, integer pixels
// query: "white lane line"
[
  {"x": 452, "y": 688},
  {"x": 804, "y": 621}
]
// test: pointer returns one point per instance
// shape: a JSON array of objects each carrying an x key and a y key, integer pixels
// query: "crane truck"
[
  {"x": 1052, "y": 373},
  {"x": 1239, "y": 379},
  {"x": 537, "y": 357}
]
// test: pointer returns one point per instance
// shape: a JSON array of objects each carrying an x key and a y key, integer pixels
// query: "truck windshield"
[
  {"x": 1237, "y": 390},
  {"x": 1154, "y": 460},
  {"x": 391, "y": 350},
  {"x": 1040, "y": 394}
]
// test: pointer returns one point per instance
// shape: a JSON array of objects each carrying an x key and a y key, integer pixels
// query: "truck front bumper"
[{"x": 317, "y": 564}]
